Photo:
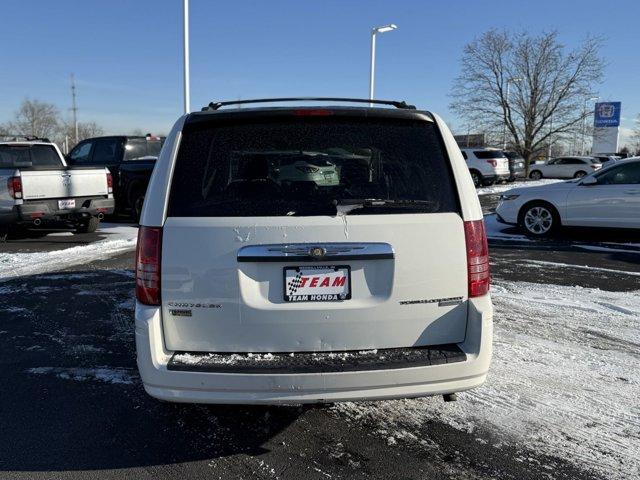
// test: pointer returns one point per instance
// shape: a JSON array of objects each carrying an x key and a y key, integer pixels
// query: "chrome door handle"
[{"x": 632, "y": 192}]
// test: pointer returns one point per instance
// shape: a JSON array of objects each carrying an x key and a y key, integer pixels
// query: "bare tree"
[
  {"x": 34, "y": 118},
  {"x": 527, "y": 84},
  {"x": 85, "y": 130},
  {"x": 635, "y": 136}
]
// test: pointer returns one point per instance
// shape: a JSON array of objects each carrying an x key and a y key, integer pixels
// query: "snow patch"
[
  {"x": 499, "y": 231},
  {"x": 564, "y": 380},
  {"x": 504, "y": 187},
  {"x": 543, "y": 263},
  {"x": 106, "y": 375},
  {"x": 119, "y": 239},
  {"x": 612, "y": 247},
  {"x": 14, "y": 309}
]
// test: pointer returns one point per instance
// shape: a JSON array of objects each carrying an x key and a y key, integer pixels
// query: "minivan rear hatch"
[{"x": 312, "y": 230}]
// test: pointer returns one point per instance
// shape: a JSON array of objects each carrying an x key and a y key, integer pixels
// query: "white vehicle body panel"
[
  {"x": 200, "y": 267},
  {"x": 44, "y": 184}
]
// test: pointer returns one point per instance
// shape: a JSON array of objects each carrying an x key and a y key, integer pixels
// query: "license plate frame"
[
  {"x": 66, "y": 204},
  {"x": 291, "y": 297}
]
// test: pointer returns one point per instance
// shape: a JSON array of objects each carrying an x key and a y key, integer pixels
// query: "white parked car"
[
  {"x": 308, "y": 168},
  {"x": 251, "y": 291},
  {"x": 606, "y": 158},
  {"x": 486, "y": 165},
  {"x": 564, "y": 167},
  {"x": 609, "y": 198}
]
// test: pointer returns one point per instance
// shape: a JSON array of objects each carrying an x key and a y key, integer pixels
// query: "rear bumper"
[
  {"x": 48, "y": 211},
  {"x": 494, "y": 177},
  {"x": 316, "y": 387}
]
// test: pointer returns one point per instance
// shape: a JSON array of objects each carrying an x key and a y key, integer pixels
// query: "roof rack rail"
[
  {"x": 393, "y": 103},
  {"x": 29, "y": 138}
]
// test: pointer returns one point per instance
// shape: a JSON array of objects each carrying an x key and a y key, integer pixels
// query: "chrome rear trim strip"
[{"x": 315, "y": 252}]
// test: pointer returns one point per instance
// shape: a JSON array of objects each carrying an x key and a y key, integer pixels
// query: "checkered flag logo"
[{"x": 294, "y": 284}]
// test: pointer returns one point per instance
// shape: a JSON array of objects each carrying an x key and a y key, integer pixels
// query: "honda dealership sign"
[
  {"x": 606, "y": 127},
  {"x": 607, "y": 114}
]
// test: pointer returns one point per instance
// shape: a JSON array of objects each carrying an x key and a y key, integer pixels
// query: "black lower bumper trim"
[{"x": 316, "y": 362}]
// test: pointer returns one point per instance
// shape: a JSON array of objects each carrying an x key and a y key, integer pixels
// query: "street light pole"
[
  {"x": 74, "y": 109},
  {"x": 584, "y": 122},
  {"x": 550, "y": 142},
  {"x": 372, "y": 68},
  {"x": 504, "y": 127},
  {"x": 185, "y": 43}
]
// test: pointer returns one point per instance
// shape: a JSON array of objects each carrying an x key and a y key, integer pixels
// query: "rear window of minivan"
[{"x": 305, "y": 166}]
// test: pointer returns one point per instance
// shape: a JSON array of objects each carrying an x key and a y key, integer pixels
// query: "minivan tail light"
[
  {"x": 109, "y": 183},
  {"x": 478, "y": 272},
  {"x": 14, "y": 185},
  {"x": 493, "y": 163},
  {"x": 148, "y": 253}
]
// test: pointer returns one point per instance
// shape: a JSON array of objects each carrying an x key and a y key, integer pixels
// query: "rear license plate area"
[
  {"x": 325, "y": 283},
  {"x": 66, "y": 204}
]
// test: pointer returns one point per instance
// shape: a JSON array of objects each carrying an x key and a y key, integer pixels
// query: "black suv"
[
  {"x": 516, "y": 165},
  {"x": 130, "y": 159}
]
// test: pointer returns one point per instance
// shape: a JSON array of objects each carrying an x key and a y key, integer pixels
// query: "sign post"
[{"x": 606, "y": 127}]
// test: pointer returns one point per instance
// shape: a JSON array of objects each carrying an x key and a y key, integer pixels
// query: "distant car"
[
  {"x": 607, "y": 158},
  {"x": 608, "y": 198},
  {"x": 516, "y": 165},
  {"x": 319, "y": 171},
  {"x": 130, "y": 159},
  {"x": 564, "y": 167},
  {"x": 39, "y": 191},
  {"x": 486, "y": 165}
]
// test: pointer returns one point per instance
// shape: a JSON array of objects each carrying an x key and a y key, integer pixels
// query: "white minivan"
[{"x": 255, "y": 290}]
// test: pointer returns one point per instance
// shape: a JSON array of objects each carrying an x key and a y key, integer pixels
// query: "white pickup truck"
[{"x": 38, "y": 190}]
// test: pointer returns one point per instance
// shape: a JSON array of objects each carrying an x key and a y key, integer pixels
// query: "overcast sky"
[{"x": 127, "y": 57}]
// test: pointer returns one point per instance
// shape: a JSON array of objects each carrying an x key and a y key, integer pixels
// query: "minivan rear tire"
[{"x": 535, "y": 175}]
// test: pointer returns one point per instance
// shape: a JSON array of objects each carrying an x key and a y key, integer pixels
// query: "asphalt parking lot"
[{"x": 73, "y": 407}]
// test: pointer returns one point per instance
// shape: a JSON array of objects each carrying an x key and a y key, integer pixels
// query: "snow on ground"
[
  {"x": 543, "y": 263},
  {"x": 503, "y": 187},
  {"x": 104, "y": 374},
  {"x": 499, "y": 231},
  {"x": 119, "y": 238},
  {"x": 564, "y": 380}
]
